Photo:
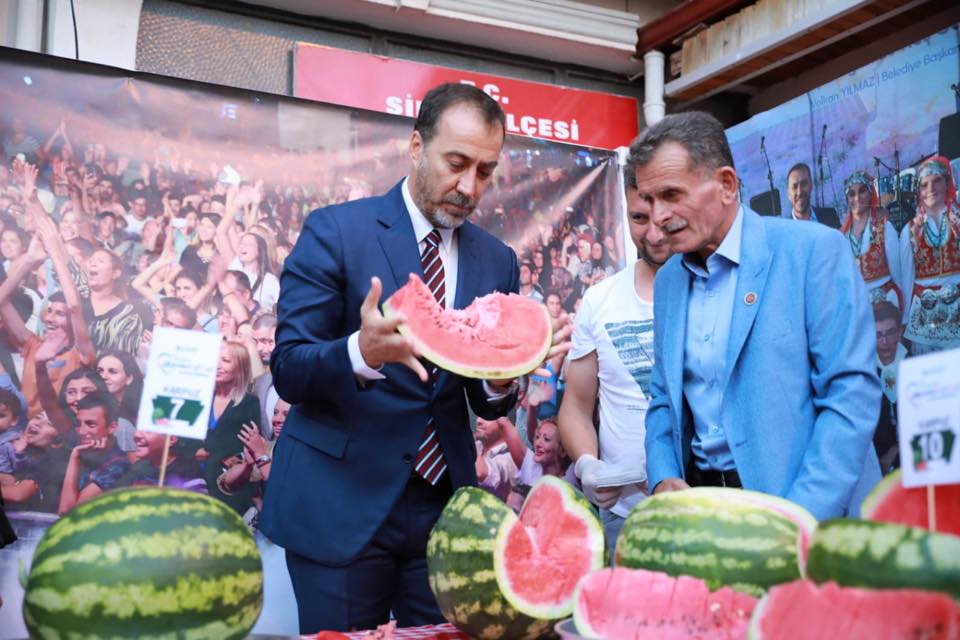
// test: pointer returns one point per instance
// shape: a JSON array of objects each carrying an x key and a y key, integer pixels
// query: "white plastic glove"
[{"x": 589, "y": 469}]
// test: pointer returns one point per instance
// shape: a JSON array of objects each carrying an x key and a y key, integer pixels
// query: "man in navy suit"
[
  {"x": 764, "y": 370},
  {"x": 799, "y": 187},
  {"x": 348, "y": 497}
]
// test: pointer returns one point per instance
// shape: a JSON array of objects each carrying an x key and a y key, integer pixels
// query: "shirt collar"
[
  {"x": 812, "y": 215},
  {"x": 729, "y": 249},
  {"x": 421, "y": 226}
]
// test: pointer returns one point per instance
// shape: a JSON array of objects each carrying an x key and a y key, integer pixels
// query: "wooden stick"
[
  {"x": 931, "y": 509},
  {"x": 163, "y": 460}
]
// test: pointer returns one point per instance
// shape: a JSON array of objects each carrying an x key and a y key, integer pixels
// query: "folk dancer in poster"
[
  {"x": 612, "y": 355},
  {"x": 764, "y": 371},
  {"x": 873, "y": 240},
  {"x": 374, "y": 445},
  {"x": 930, "y": 253}
]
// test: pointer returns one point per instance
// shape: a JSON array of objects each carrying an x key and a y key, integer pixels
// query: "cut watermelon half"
[
  {"x": 890, "y": 501},
  {"x": 636, "y": 603},
  {"x": 497, "y": 336},
  {"x": 540, "y": 557},
  {"x": 802, "y": 610}
]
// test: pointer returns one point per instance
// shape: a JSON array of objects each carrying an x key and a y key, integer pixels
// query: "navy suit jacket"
[
  {"x": 346, "y": 450},
  {"x": 800, "y": 391}
]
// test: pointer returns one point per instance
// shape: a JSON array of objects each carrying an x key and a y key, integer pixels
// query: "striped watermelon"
[
  {"x": 801, "y": 610},
  {"x": 542, "y": 555},
  {"x": 145, "y": 563},
  {"x": 860, "y": 553},
  {"x": 890, "y": 501},
  {"x": 460, "y": 568},
  {"x": 743, "y": 539},
  {"x": 634, "y": 603}
]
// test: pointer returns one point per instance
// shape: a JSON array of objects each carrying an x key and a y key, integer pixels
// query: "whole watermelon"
[
  {"x": 746, "y": 540},
  {"x": 145, "y": 562},
  {"x": 460, "y": 569}
]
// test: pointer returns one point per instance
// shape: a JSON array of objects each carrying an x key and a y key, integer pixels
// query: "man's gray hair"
[
  {"x": 698, "y": 132},
  {"x": 629, "y": 175}
]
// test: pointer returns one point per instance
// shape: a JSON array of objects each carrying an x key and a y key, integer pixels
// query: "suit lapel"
[
  {"x": 674, "y": 340},
  {"x": 467, "y": 273},
  {"x": 751, "y": 278},
  {"x": 398, "y": 241}
]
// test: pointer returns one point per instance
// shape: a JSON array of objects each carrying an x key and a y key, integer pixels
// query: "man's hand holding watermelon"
[{"x": 380, "y": 342}]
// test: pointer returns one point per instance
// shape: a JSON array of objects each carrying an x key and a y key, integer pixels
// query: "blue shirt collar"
[{"x": 728, "y": 249}]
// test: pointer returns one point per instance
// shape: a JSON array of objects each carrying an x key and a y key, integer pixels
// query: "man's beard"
[{"x": 436, "y": 215}]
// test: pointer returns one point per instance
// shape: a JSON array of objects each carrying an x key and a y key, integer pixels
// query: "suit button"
[{"x": 407, "y": 458}]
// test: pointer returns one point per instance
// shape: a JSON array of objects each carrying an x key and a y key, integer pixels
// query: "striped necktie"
[{"x": 429, "y": 462}]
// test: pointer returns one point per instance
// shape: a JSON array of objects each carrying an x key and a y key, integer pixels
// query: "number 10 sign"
[{"x": 928, "y": 408}]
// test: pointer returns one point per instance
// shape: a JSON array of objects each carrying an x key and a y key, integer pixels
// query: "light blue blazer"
[{"x": 801, "y": 395}]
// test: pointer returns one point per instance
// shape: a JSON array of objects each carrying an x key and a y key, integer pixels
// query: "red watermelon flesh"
[
  {"x": 541, "y": 557},
  {"x": 497, "y": 336},
  {"x": 802, "y": 610},
  {"x": 636, "y": 603},
  {"x": 890, "y": 501}
]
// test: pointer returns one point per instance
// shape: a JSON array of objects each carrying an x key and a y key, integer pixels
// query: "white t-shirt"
[
  {"x": 134, "y": 226},
  {"x": 501, "y": 470},
  {"x": 530, "y": 471},
  {"x": 267, "y": 293},
  {"x": 616, "y": 323}
]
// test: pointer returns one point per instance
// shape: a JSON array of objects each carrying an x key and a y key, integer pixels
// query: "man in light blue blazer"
[{"x": 764, "y": 373}]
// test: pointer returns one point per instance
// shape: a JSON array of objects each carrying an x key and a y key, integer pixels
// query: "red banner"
[{"x": 388, "y": 85}]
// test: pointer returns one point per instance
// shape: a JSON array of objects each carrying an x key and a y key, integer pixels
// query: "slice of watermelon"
[
  {"x": 497, "y": 336},
  {"x": 541, "y": 556},
  {"x": 636, "y": 603},
  {"x": 890, "y": 501},
  {"x": 802, "y": 610}
]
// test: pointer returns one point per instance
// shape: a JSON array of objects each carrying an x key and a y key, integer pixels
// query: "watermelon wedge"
[
  {"x": 540, "y": 558},
  {"x": 635, "y": 603},
  {"x": 890, "y": 501},
  {"x": 497, "y": 336},
  {"x": 802, "y": 610}
]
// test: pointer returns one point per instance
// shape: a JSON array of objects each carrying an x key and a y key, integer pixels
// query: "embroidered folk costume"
[
  {"x": 875, "y": 247},
  {"x": 930, "y": 253}
]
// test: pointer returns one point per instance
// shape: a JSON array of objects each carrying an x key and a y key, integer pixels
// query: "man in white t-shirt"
[{"x": 613, "y": 354}]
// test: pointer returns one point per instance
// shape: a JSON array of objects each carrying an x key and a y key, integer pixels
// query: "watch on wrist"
[{"x": 262, "y": 460}]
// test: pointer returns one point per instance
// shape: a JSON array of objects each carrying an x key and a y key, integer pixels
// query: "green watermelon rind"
[
  {"x": 470, "y": 521},
  {"x": 685, "y": 532},
  {"x": 575, "y": 502},
  {"x": 94, "y": 569},
  {"x": 879, "y": 555},
  {"x": 487, "y": 373}
]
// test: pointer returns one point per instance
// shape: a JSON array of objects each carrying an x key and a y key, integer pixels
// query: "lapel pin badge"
[{"x": 750, "y": 298}]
